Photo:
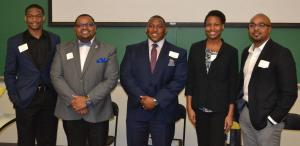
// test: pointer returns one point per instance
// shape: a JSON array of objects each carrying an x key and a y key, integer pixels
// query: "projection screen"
[{"x": 176, "y": 12}]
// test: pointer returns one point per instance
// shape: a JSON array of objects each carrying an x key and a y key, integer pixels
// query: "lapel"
[
  {"x": 51, "y": 51},
  {"x": 27, "y": 53},
  {"x": 95, "y": 45},
  {"x": 163, "y": 58},
  {"x": 75, "y": 51},
  {"x": 145, "y": 57},
  {"x": 217, "y": 60},
  {"x": 263, "y": 55}
]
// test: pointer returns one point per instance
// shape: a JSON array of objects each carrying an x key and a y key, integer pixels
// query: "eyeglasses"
[
  {"x": 85, "y": 25},
  {"x": 259, "y": 26}
]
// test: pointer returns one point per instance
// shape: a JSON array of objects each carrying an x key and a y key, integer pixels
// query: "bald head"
[
  {"x": 259, "y": 29},
  {"x": 263, "y": 17}
]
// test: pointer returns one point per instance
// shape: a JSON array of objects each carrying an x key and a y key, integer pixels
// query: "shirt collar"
[
  {"x": 159, "y": 43},
  {"x": 251, "y": 49},
  {"x": 29, "y": 36}
]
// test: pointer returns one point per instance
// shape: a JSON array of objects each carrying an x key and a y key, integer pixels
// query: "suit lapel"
[
  {"x": 163, "y": 58},
  {"x": 263, "y": 55},
  {"x": 90, "y": 55},
  {"x": 217, "y": 59},
  {"x": 145, "y": 57},
  {"x": 27, "y": 53},
  {"x": 75, "y": 51},
  {"x": 50, "y": 52}
]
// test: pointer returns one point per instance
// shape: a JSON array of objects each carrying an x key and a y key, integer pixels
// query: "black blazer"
[
  {"x": 217, "y": 88},
  {"x": 272, "y": 90}
]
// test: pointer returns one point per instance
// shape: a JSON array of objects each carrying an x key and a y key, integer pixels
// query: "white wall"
[
  {"x": 194, "y": 11},
  {"x": 289, "y": 138}
]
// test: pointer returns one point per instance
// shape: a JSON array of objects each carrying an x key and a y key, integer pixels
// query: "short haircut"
[
  {"x": 34, "y": 6},
  {"x": 84, "y": 15},
  {"x": 215, "y": 13},
  {"x": 157, "y": 17}
]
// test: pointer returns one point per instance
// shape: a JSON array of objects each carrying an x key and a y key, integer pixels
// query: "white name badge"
[
  {"x": 213, "y": 57},
  {"x": 70, "y": 56},
  {"x": 23, "y": 47},
  {"x": 263, "y": 64},
  {"x": 173, "y": 54}
]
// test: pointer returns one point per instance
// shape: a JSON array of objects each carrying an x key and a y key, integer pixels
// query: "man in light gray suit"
[{"x": 84, "y": 72}]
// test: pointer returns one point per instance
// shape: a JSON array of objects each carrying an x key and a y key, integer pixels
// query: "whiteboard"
[{"x": 175, "y": 12}]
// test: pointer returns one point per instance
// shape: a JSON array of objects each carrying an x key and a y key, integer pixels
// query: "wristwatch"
[
  {"x": 155, "y": 101},
  {"x": 88, "y": 102}
]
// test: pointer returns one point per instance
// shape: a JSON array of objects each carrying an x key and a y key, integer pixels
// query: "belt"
[
  {"x": 205, "y": 110},
  {"x": 41, "y": 87}
]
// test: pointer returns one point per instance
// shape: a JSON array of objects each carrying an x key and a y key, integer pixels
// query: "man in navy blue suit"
[
  {"x": 153, "y": 72},
  {"x": 27, "y": 79}
]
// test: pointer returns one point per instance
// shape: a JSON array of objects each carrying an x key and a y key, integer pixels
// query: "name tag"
[
  {"x": 23, "y": 47},
  {"x": 173, "y": 54},
  {"x": 263, "y": 64},
  {"x": 69, "y": 56},
  {"x": 213, "y": 57}
]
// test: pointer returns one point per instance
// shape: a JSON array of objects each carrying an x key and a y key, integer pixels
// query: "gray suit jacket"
[{"x": 97, "y": 80}]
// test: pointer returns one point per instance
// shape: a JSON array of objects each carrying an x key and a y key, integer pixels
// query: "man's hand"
[
  {"x": 79, "y": 103},
  {"x": 147, "y": 102}
]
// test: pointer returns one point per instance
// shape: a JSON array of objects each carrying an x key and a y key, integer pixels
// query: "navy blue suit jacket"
[
  {"x": 21, "y": 75},
  {"x": 164, "y": 84}
]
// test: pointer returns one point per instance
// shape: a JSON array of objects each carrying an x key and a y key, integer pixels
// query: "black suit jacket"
[
  {"x": 272, "y": 90},
  {"x": 217, "y": 88}
]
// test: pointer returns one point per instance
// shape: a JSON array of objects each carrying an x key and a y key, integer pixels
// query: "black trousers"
[
  {"x": 37, "y": 121},
  {"x": 81, "y": 133},
  {"x": 210, "y": 128}
]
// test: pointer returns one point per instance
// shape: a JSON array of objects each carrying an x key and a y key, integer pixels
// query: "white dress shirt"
[{"x": 83, "y": 52}]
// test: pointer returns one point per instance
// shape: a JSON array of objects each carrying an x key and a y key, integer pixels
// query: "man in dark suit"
[
  {"x": 27, "y": 79},
  {"x": 153, "y": 73},
  {"x": 269, "y": 85}
]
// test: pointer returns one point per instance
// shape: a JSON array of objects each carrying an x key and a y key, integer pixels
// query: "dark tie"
[{"x": 153, "y": 56}]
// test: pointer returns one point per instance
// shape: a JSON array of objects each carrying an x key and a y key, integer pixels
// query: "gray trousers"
[{"x": 268, "y": 136}]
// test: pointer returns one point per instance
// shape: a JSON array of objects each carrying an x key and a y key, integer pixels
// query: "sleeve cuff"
[
  {"x": 89, "y": 102},
  {"x": 272, "y": 120}
]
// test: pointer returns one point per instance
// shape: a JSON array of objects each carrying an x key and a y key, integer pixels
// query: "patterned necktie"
[{"x": 153, "y": 56}]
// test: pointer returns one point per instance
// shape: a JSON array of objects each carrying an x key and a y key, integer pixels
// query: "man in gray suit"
[{"x": 84, "y": 72}]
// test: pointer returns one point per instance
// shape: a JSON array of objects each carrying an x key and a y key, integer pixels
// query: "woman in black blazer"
[{"x": 211, "y": 83}]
